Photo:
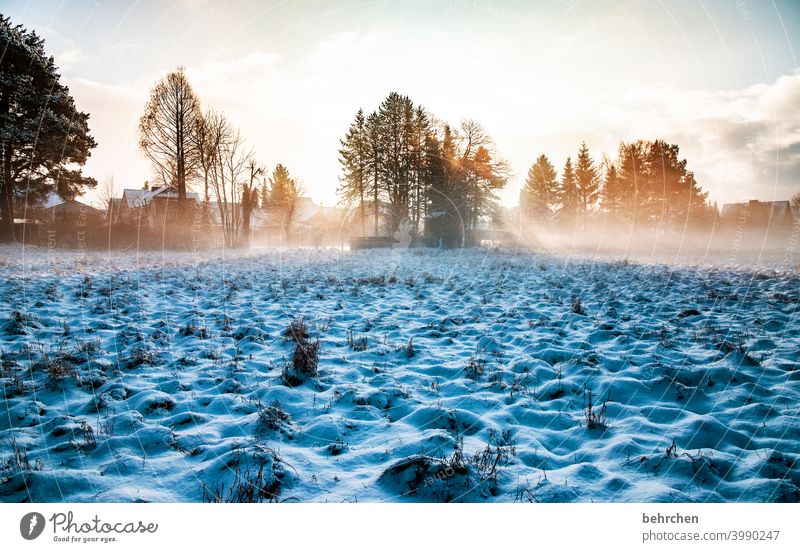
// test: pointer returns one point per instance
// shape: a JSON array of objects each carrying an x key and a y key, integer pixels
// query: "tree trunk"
[
  {"x": 363, "y": 213},
  {"x": 6, "y": 189},
  {"x": 376, "y": 201},
  {"x": 7, "y": 200}
]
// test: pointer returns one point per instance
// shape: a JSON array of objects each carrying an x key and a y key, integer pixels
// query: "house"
[
  {"x": 69, "y": 223},
  {"x": 267, "y": 226},
  {"x": 66, "y": 211},
  {"x": 758, "y": 215},
  {"x": 150, "y": 207}
]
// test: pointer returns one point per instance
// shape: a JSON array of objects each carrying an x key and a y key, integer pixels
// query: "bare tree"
[
  {"x": 167, "y": 130},
  {"x": 211, "y": 129},
  {"x": 228, "y": 177},
  {"x": 250, "y": 193},
  {"x": 107, "y": 199}
]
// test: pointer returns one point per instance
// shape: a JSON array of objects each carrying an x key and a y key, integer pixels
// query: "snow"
[{"x": 157, "y": 377}]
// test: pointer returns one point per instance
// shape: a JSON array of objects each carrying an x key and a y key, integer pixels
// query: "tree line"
[
  {"x": 648, "y": 185},
  {"x": 400, "y": 164},
  {"x": 45, "y": 140}
]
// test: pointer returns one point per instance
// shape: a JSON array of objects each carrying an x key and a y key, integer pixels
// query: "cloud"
[
  {"x": 67, "y": 54},
  {"x": 741, "y": 143}
]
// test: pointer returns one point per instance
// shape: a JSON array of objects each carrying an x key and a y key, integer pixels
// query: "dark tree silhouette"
[
  {"x": 406, "y": 166},
  {"x": 168, "y": 129},
  {"x": 44, "y": 139},
  {"x": 354, "y": 158}
]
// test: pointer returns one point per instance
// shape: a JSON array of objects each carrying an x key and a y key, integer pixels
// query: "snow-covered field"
[{"x": 442, "y": 376}]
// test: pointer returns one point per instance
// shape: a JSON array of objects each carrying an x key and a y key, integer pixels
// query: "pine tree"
[
  {"x": 540, "y": 193},
  {"x": 568, "y": 195},
  {"x": 395, "y": 117},
  {"x": 610, "y": 193},
  {"x": 284, "y": 195},
  {"x": 43, "y": 136},
  {"x": 419, "y": 161},
  {"x": 632, "y": 178},
  {"x": 375, "y": 166},
  {"x": 264, "y": 194},
  {"x": 587, "y": 182},
  {"x": 410, "y": 169},
  {"x": 354, "y": 158},
  {"x": 675, "y": 196}
]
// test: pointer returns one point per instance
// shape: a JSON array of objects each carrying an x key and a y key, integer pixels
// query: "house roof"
[
  {"x": 778, "y": 208},
  {"x": 71, "y": 205},
  {"x": 140, "y": 198}
]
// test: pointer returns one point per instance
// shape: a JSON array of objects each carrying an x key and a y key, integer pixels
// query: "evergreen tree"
[
  {"x": 568, "y": 195},
  {"x": 610, "y": 193},
  {"x": 354, "y": 158},
  {"x": 419, "y": 166},
  {"x": 395, "y": 114},
  {"x": 674, "y": 196},
  {"x": 264, "y": 194},
  {"x": 587, "y": 182},
  {"x": 632, "y": 178},
  {"x": 284, "y": 196},
  {"x": 540, "y": 193},
  {"x": 44, "y": 139},
  {"x": 374, "y": 167},
  {"x": 398, "y": 159}
]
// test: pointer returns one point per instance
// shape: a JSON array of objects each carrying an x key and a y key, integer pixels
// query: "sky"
[{"x": 720, "y": 78}]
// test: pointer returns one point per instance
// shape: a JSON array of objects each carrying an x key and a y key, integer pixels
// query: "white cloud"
[{"x": 741, "y": 143}]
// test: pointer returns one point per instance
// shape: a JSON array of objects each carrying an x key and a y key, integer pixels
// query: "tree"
[
  {"x": 632, "y": 178},
  {"x": 229, "y": 180},
  {"x": 795, "y": 203},
  {"x": 108, "y": 199},
  {"x": 610, "y": 200},
  {"x": 540, "y": 192},
  {"x": 168, "y": 129},
  {"x": 409, "y": 166},
  {"x": 395, "y": 116},
  {"x": 422, "y": 128},
  {"x": 483, "y": 173},
  {"x": 674, "y": 196},
  {"x": 264, "y": 194},
  {"x": 568, "y": 195},
  {"x": 354, "y": 158},
  {"x": 250, "y": 194},
  {"x": 210, "y": 131},
  {"x": 284, "y": 197},
  {"x": 444, "y": 179},
  {"x": 375, "y": 165},
  {"x": 44, "y": 139},
  {"x": 587, "y": 182}
]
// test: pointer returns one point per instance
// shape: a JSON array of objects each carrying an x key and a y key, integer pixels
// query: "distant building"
[
  {"x": 69, "y": 223},
  {"x": 68, "y": 210},
  {"x": 758, "y": 215},
  {"x": 149, "y": 207}
]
